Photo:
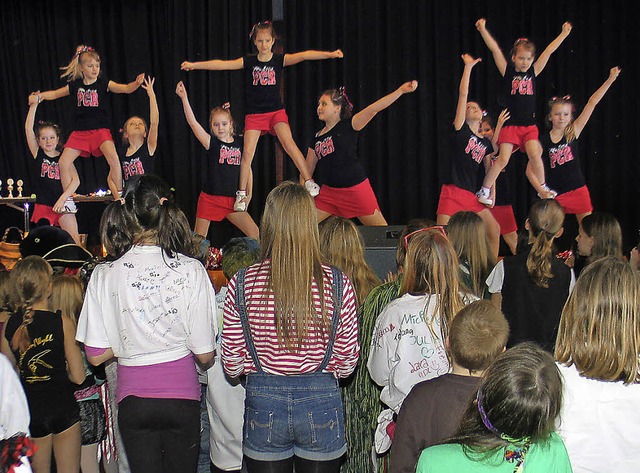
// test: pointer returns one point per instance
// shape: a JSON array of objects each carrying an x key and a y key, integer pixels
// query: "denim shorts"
[{"x": 298, "y": 415}]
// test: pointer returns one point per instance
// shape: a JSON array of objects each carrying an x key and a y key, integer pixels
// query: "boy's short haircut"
[
  {"x": 477, "y": 335},
  {"x": 239, "y": 253}
]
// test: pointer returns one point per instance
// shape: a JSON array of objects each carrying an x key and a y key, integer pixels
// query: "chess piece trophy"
[
  {"x": 10, "y": 188},
  {"x": 19, "y": 184}
]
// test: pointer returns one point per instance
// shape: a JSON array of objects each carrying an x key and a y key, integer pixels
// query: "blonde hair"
[
  {"x": 289, "y": 238},
  {"x": 225, "y": 111},
  {"x": 72, "y": 70},
  {"x": 431, "y": 267},
  {"x": 468, "y": 236},
  {"x": 569, "y": 132},
  {"x": 125, "y": 139},
  {"x": 341, "y": 245},
  {"x": 67, "y": 295},
  {"x": 599, "y": 329},
  {"x": 31, "y": 278},
  {"x": 545, "y": 221}
]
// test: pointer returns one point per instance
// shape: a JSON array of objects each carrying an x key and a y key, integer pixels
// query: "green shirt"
[{"x": 546, "y": 457}]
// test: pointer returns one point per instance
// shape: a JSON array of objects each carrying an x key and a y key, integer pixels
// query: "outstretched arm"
[
  {"x": 295, "y": 58},
  {"x": 540, "y": 64},
  {"x": 360, "y": 119},
  {"x": 583, "y": 118},
  {"x": 126, "y": 88},
  {"x": 214, "y": 65},
  {"x": 52, "y": 94},
  {"x": 32, "y": 139},
  {"x": 461, "y": 109},
  {"x": 201, "y": 134},
  {"x": 154, "y": 115},
  {"x": 492, "y": 44}
]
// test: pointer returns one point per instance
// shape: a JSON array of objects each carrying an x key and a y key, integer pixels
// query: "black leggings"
[
  {"x": 286, "y": 466},
  {"x": 160, "y": 435}
]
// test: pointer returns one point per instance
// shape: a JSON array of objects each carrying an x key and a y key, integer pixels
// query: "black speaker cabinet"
[{"x": 380, "y": 245}]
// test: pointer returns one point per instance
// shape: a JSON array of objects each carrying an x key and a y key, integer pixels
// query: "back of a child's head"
[
  {"x": 412, "y": 225},
  {"x": 605, "y": 230},
  {"x": 599, "y": 330},
  {"x": 146, "y": 214},
  {"x": 239, "y": 253},
  {"x": 6, "y": 291},
  {"x": 545, "y": 221},
  {"x": 67, "y": 295},
  {"x": 477, "y": 335}
]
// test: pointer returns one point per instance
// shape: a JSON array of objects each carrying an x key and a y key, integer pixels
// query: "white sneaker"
[
  {"x": 312, "y": 187},
  {"x": 69, "y": 206},
  {"x": 240, "y": 205},
  {"x": 483, "y": 197}
]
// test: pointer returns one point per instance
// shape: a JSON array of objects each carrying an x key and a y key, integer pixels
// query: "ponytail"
[
  {"x": 174, "y": 233},
  {"x": 21, "y": 338},
  {"x": 540, "y": 258},
  {"x": 72, "y": 70},
  {"x": 545, "y": 221},
  {"x": 117, "y": 229}
]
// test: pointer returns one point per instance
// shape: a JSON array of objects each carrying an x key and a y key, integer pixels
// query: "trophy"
[
  {"x": 10, "y": 188},
  {"x": 19, "y": 184}
]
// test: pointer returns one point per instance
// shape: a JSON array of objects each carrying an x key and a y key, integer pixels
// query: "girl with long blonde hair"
[{"x": 290, "y": 325}]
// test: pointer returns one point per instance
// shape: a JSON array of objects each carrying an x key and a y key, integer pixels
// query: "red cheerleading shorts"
[
  {"x": 44, "y": 211},
  {"x": 518, "y": 135},
  {"x": 265, "y": 122},
  {"x": 505, "y": 217},
  {"x": 214, "y": 207},
  {"x": 88, "y": 142},
  {"x": 348, "y": 202},
  {"x": 577, "y": 201},
  {"x": 454, "y": 199}
]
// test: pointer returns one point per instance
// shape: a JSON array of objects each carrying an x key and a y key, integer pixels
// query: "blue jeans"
[
  {"x": 293, "y": 415},
  {"x": 203, "y": 454}
]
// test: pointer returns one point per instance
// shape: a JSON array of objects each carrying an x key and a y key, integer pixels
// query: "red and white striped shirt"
[{"x": 274, "y": 357}]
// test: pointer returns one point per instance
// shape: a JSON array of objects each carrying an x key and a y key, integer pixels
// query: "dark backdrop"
[{"x": 385, "y": 43}]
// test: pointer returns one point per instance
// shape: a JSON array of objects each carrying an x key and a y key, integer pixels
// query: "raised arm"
[
  {"x": 154, "y": 115},
  {"x": 461, "y": 108},
  {"x": 502, "y": 118},
  {"x": 126, "y": 88},
  {"x": 295, "y": 58},
  {"x": 492, "y": 44},
  {"x": 32, "y": 139},
  {"x": 201, "y": 134},
  {"x": 583, "y": 118},
  {"x": 214, "y": 65},
  {"x": 360, "y": 119},
  {"x": 542, "y": 60}
]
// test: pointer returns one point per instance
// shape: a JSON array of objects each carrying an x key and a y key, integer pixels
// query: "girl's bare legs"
[
  {"x": 535, "y": 169},
  {"x": 496, "y": 167},
  {"x": 89, "y": 459},
  {"x": 283, "y": 132},
  {"x": 511, "y": 239},
  {"x": 66, "y": 449},
  {"x": 322, "y": 215},
  {"x": 579, "y": 217},
  {"x": 201, "y": 227},
  {"x": 41, "y": 459},
  {"x": 493, "y": 231},
  {"x": 245, "y": 223},
  {"x": 376, "y": 219},
  {"x": 442, "y": 219},
  {"x": 114, "y": 179},
  {"x": 251, "y": 138},
  {"x": 68, "y": 178},
  {"x": 69, "y": 223}
]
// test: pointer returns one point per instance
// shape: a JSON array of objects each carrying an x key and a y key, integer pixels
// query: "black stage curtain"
[{"x": 405, "y": 148}]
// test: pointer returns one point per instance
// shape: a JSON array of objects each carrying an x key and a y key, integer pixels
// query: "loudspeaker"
[{"x": 380, "y": 245}]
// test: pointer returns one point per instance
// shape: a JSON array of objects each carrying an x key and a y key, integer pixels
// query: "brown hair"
[
  {"x": 289, "y": 238},
  {"x": 339, "y": 98},
  {"x": 125, "y": 140},
  {"x": 31, "y": 278},
  {"x": 599, "y": 329},
  {"x": 524, "y": 43},
  {"x": 410, "y": 227},
  {"x": 478, "y": 334},
  {"x": 341, "y": 245},
  {"x": 545, "y": 221},
  {"x": 605, "y": 230}
]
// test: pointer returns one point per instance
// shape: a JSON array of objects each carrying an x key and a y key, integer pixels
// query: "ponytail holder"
[
  {"x": 82, "y": 49},
  {"x": 226, "y": 105},
  {"x": 40, "y": 122},
  {"x": 521, "y": 40},
  {"x": 162, "y": 201},
  {"x": 121, "y": 200},
  {"x": 567, "y": 97},
  {"x": 260, "y": 23},
  {"x": 343, "y": 92}
]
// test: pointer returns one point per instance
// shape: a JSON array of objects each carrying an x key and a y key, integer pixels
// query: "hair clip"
[
  {"x": 82, "y": 49},
  {"x": 226, "y": 105},
  {"x": 484, "y": 113},
  {"x": 343, "y": 92},
  {"x": 260, "y": 23},
  {"x": 162, "y": 201},
  {"x": 521, "y": 40},
  {"x": 121, "y": 200}
]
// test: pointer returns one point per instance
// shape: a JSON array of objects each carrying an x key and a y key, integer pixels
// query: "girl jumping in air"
[
  {"x": 560, "y": 150},
  {"x": 346, "y": 191},
  {"x": 518, "y": 93},
  {"x": 221, "y": 170},
  {"x": 265, "y": 111},
  {"x": 140, "y": 140},
  {"x": 91, "y": 134},
  {"x": 44, "y": 142}
]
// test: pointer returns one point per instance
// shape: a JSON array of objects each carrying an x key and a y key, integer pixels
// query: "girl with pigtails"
[
  {"x": 42, "y": 345},
  {"x": 333, "y": 156},
  {"x": 532, "y": 287},
  {"x": 151, "y": 305},
  {"x": 91, "y": 134}
]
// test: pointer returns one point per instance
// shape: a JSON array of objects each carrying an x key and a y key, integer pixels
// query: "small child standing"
[
  {"x": 433, "y": 408},
  {"x": 518, "y": 89}
]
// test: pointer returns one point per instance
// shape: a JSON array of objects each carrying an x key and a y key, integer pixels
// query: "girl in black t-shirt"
[
  {"x": 333, "y": 156},
  {"x": 91, "y": 132},
  {"x": 44, "y": 143},
  {"x": 140, "y": 140},
  {"x": 265, "y": 111},
  {"x": 221, "y": 169}
]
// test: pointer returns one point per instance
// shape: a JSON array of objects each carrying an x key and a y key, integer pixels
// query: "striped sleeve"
[
  {"x": 346, "y": 350},
  {"x": 233, "y": 346}
]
